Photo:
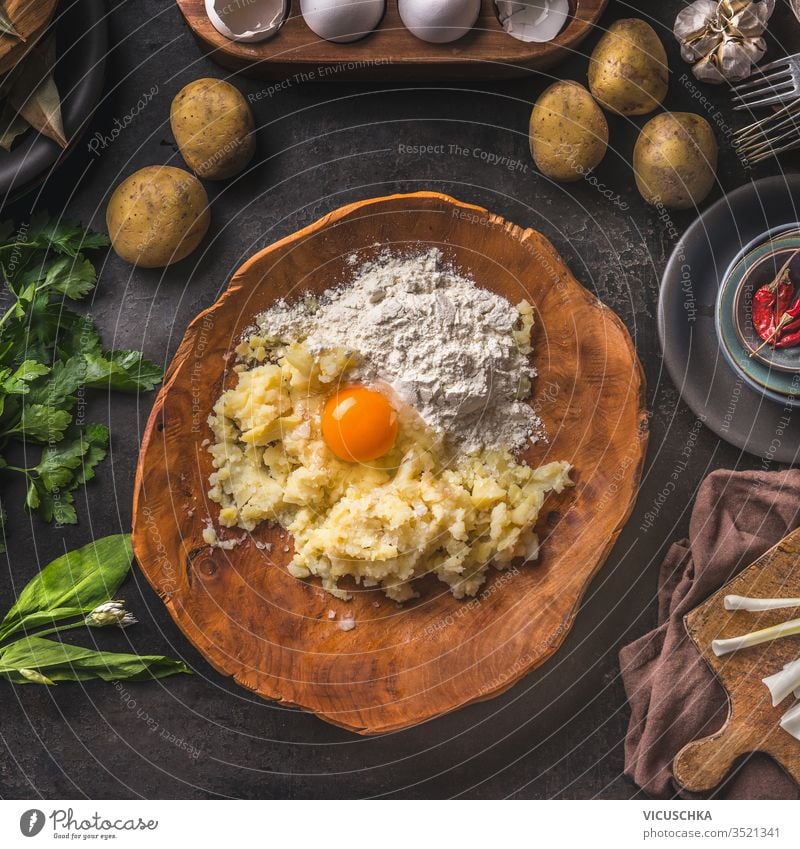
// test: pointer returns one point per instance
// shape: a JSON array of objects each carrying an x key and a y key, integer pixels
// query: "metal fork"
[
  {"x": 771, "y": 135},
  {"x": 779, "y": 86}
]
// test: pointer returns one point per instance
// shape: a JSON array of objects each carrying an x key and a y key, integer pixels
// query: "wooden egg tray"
[{"x": 391, "y": 52}]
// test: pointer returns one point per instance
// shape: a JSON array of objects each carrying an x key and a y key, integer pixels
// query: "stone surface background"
[{"x": 560, "y": 732}]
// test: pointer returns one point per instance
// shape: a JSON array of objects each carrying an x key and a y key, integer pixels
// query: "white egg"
[
  {"x": 533, "y": 20},
  {"x": 247, "y": 20},
  {"x": 439, "y": 21},
  {"x": 342, "y": 20}
]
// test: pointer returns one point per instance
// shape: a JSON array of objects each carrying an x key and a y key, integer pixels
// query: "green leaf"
[
  {"x": 65, "y": 379},
  {"x": 65, "y": 237},
  {"x": 77, "y": 335},
  {"x": 43, "y": 423},
  {"x": 63, "y": 662},
  {"x": 18, "y": 383},
  {"x": 125, "y": 371},
  {"x": 73, "y": 584},
  {"x": 96, "y": 437},
  {"x": 74, "y": 277}
]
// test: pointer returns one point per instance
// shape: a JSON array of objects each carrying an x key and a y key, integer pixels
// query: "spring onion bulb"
[
  {"x": 790, "y": 721},
  {"x": 755, "y": 638},
  {"x": 754, "y": 605},
  {"x": 784, "y": 683}
]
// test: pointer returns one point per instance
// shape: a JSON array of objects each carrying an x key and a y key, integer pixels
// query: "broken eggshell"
[
  {"x": 533, "y": 20},
  {"x": 247, "y": 20},
  {"x": 342, "y": 20}
]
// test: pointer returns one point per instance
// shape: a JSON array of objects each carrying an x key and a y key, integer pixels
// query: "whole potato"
[
  {"x": 213, "y": 126},
  {"x": 675, "y": 160},
  {"x": 628, "y": 71},
  {"x": 157, "y": 216},
  {"x": 568, "y": 132}
]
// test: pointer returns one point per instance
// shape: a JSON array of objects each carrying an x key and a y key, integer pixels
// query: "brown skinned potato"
[
  {"x": 628, "y": 70},
  {"x": 157, "y": 216},
  {"x": 568, "y": 132},
  {"x": 675, "y": 160},
  {"x": 214, "y": 128}
]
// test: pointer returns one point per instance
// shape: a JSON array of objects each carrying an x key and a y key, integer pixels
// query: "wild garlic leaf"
[
  {"x": 71, "y": 276},
  {"x": 63, "y": 662},
  {"x": 125, "y": 371},
  {"x": 78, "y": 580}
]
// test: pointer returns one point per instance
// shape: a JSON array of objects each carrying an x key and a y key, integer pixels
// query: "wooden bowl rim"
[{"x": 217, "y": 659}]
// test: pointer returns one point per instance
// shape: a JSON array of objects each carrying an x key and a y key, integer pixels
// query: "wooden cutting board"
[
  {"x": 752, "y": 724},
  {"x": 391, "y": 51}
]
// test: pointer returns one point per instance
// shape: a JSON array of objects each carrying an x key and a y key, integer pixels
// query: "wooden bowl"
[
  {"x": 391, "y": 52},
  {"x": 399, "y": 665}
]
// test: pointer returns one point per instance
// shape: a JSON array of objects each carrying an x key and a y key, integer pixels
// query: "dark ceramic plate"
[
  {"x": 732, "y": 408},
  {"x": 81, "y": 46}
]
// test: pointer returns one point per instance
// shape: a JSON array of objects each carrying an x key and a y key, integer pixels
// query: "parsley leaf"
[{"x": 48, "y": 353}]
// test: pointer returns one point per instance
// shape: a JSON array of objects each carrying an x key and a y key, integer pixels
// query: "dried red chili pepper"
[
  {"x": 786, "y": 320},
  {"x": 767, "y": 306},
  {"x": 770, "y": 304}
]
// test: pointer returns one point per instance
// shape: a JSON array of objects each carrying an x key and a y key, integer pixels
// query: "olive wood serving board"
[
  {"x": 391, "y": 51},
  {"x": 31, "y": 19},
  {"x": 752, "y": 723},
  {"x": 400, "y": 665}
]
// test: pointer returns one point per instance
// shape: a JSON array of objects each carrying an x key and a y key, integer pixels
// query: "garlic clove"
[
  {"x": 533, "y": 20},
  {"x": 342, "y": 21},
  {"x": 247, "y": 20}
]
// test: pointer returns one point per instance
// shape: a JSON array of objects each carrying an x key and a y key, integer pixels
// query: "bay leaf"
[
  {"x": 12, "y": 125},
  {"x": 6, "y": 25},
  {"x": 34, "y": 93}
]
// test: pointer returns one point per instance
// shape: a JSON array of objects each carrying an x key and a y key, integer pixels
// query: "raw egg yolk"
[{"x": 359, "y": 424}]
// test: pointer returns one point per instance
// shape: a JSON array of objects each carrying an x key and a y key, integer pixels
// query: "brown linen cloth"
[{"x": 673, "y": 695}]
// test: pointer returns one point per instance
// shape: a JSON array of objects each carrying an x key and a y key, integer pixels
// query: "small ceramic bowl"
[{"x": 775, "y": 372}]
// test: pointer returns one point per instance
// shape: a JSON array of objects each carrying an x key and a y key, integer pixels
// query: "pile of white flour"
[{"x": 444, "y": 345}]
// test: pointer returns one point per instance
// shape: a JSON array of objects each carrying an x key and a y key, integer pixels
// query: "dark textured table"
[{"x": 560, "y": 731}]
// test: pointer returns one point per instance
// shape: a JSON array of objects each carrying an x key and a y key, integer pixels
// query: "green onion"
[
  {"x": 740, "y": 602},
  {"x": 784, "y": 683},
  {"x": 765, "y": 635},
  {"x": 790, "y": 721}
]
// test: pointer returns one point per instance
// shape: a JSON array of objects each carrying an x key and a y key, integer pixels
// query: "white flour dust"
[{"x": 445, "y": 346}]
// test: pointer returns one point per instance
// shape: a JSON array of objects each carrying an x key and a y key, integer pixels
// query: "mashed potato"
[{"x": 385, "y": 523}]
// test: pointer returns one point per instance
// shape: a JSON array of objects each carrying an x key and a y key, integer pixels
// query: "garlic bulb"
[{"x": 723, "y": 39}]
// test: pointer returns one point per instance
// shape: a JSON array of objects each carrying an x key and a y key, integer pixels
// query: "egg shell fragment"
[
  {"x": 536, "y": 21},
  {"x": 247, "y": 20}
]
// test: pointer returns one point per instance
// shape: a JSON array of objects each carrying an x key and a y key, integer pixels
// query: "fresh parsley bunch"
[{"x": 48, "y": 352}]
